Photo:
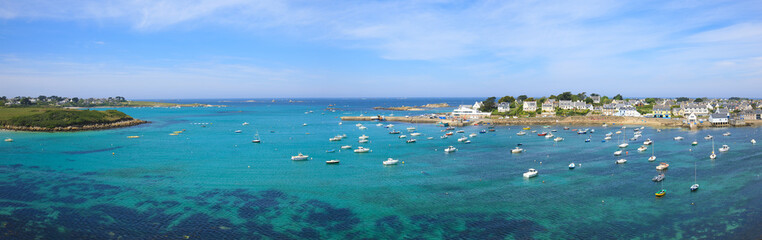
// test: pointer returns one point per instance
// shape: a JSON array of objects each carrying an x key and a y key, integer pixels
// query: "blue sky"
[{"x": 243, "y": 49}]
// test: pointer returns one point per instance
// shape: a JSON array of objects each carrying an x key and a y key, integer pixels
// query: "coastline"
[{"x": 100, "y": 126}]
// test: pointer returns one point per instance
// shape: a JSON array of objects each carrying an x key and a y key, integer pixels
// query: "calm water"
[{"x": 211, "y": 183}]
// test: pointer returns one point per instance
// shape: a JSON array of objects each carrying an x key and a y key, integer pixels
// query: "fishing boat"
[
  {"x": 724, "y": 148},
  {"x": 712, "y": 156},
  {"x": 346, "y": 147},
  {"x": 726, "y": 134},
  {"x": 517, "y": 150},
  {"x": 658, "y": 178},
  {"x": 648, "y": 142},
  {"x": 362, "y": 150},
  {"x": 694, "y": 143},
  {"x": 708, "y": 137},
  {"x": 621, "y": 161},
  {"x": 558, "y": 139},
  {"x": 530, "y": 173},
  {"x": 300, "y": 157},
  {"x": 572, "y": 166},
  {"x": 662, "y": 166},
  {"x": 391, "y": 161},
  {"x": 618, "y": 152},
  {"x": 521, "y": 133},
  {"x": 450, "y": 149},
  {"x": 661, "y": 193},
  {"x": 334, "y": 161},
  {"x": 410, "y": 141},
  {"x": 462, "y": 139},
  {"x": 642, "y": 148}
]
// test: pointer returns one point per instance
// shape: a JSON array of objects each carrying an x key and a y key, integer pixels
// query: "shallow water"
[{"x": 211, "y": 183}]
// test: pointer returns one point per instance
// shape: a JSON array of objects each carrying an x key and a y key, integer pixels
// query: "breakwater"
[{"x": 89, "y": 127}]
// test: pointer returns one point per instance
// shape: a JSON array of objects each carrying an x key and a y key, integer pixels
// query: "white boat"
[
  {"x": 549, "y": 135},
  {"x": 245, "y": 123},
  {"x": 340, "y": 123},
  {"x": 708, "y": 137},
  {"x": 724, "y": 148},
  {"x": 462, "y": 139},
  {"x": 678, "y": 138},
  {"x": 609, "y": 134},
  {"x": 658, "y": 130},
  {"x": 391, "y": 161},
  {"x": 460, "y": 131},
  {"x": 521, "y": 133},
  {"x": 429, "y": 138},
  {"x": 363, "y": 137},
  {"x": 726, "y": 134},
  {"x": 753, "y": 141},
  {"x": 363, "y": 128},
  {"x": 403, "y": 136},
  {"x": 517, "y": 150},
  {"x": 617, "y": 153},
  {"x": 648, "y": 142},
  {"x": 467, "y": 141},
  {"x": 358, "y": 125},
  {"x": 410, "y": 129},
  {"x": 712, "y": 156},
  {"x": 379, "y": 124},
  {"x": 450, "y": 149},
  {"x": 695, "y": 185},
  {"x": 346, "y": 147},
  {"x": 662, "y": 166},
  {"x": 653, "y": 156},
  {"x": 304, "y": 124},
  {"x": 362, "y": 150},
  {"x": 558, "y": 139},
  {"x": 334, "y": 139},
  {"x": 389, "y": 125},
  {"x": 572, "y": 166},
  {"x": 238, "y": 131},
  {"x": 621, "y": 161},
  {"x": 444, "y": 136},
  {"x": 607, "y": 138},
  {"x": 618, "y": 132},
  {"x": 363, "y": 141},
  {"x": 624, "y": 145},
  {"x": 410, "y": 141},
  {"x": 530, "y": 173},
  {"x": 415, "y": 134},
  {"x": 334, "y": 161},
  {"x": 300, "y": 157},
  {"x": 642, "y": 148},
  {"x": 472, "y": 135},
  {"x": 694, "y": 143},
  {"x": 9, "y": 139}
]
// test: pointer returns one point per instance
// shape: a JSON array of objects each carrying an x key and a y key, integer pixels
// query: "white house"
[
  {"x": 468, "y": 111},
  {"x": 547, "y": 106},
  {"x": 530, "y": 106},
  {"x": 503, "y": 107},
  {"x": 718, "y": 119},
  {"x": 698, "y": 109},
  {"x": 627, "y": 111},
  {"x": 566, "y": 104},
  {"x": 596, "y": 99}
]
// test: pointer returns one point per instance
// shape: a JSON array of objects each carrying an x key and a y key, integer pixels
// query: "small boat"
[
  {"x": 712, "y": 156},
  {"x": 450, "y": 149},
  {"x": 550, "y": 135},
  {"x": 358, "y": 125},
  {"x": 724, "y": 148},
  {"x": 661, "y": 193},
  {"x": 379, "y": 124},
  {"x": 483, "y": 131},
  {"x": 362, "y": 150},
  {"x": 530, "y": 173},
  {"x": 533, "y": 131},
  {"x": 462, "y": 139},
  {"x": 410, "y": 141},
  {"x": 658, "y": 178},
  {"x": 11, "y": 139},
  {"x": 572, "y": 166},
  {"x": 624, "y": 145},
  {"x": 618, "y": 132},
  {"x": 391, "y": 161},
  {"x": 304, "y": 124},
  {"x": 174, "y": 134},
  {"x": 256, "y": 141},
  {"x": 542, "y": 134},
  {"x": 527, "y": 128},
  {"x": 607, "y": 138},
  {"x": 410, "y": 129},
  {"x": 621, "y": 161},
  {"x": 429, "y": 138},
  {"x": 245, "y": 123},
  {"x": 753, "y": 141},
  {"x": 566, "y": 128},
  {"x": 708, "y": 137},
  {"x": 394, "y": 132},
  {"x": 587, "y": 140},
  {"x": 448, "y": 133},
  {"x": 472, "y": 135},
  {"x": 403, "y": 136},
  {"x": 444, "y": 136},
  {"x": 363, "y": 141},
  {"x": 331, "y": 151},
  {"x": 333, "y": 139},
  {"x": 553, "y": 130},
  {"x": 363, "y": 127},
  {"x": 609, "y": 134},
  {"x": 694, "y": 143},
  {"x": 346, "y": 147},
  {"x": 642, "y": 148},
  {"x": 632, "y": 139},
  {"x": 300, "y": 157},
  {"x": 238, "y": 131},
  {"x": 604, "y": 125},
  {"x": 617, "y": 153},
  {"x": 450, "y": 128},
  {"x": 558, "y": 139},
  {"x": 581, "y": 132},
  {"x": 334, "y": 161},
  {"x": 726, "y": 134},
  {"x": 521, "y": 133},
  {"x": 389, "y": 126},
  {"x": 648, "y": 142},
  {"x": 695, "y": 185},
  {"x": 467, "y": 141},
  {"x": 662, "y": 166},
  {"x": 127, "y": 137},
  {"x": 652, "y": 158},
  {"x": 491, "y": 130},
  {"x": 415, "y": 134},
  {"x": 592, "y": 130},
  {"x": 460, "y": 131},
  {"x": 678, "y": 138},
  {"x": 517, "y": 150}
]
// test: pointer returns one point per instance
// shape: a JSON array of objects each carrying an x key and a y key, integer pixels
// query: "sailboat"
[
  {"x": 624, "y": 139},
  {"x": 695, "y": 185},
  {"x": 256, "y": 138},
  {"x": 713, "y": 156},
  {"x": 653, "y": 157}
]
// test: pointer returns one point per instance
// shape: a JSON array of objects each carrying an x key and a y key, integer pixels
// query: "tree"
[
  {"x": 605, "y": 100},
  {"x": 618, "y": 97},
  {"x": 565, "y": 96},
  {"x": 42, "y": 98},
  {"x": 522, "y": 97},
  {"x": 119, "y": 98},
  {"x": 575, "y": 98},
  {"x": 75, "y": 99},
  {"x": 650, "y": 100},
  {"x": 698, "y": 100},
  {"x": 488, "y": 105},
  {"x": 530, "y": 99},
  {"x": 25, "y": 101},
  {"x": 582, "y": 95},
  {"x": 508, "y": 99},
  {"x": 594, "y": 94},
  {"x": 682, "y": 99},
  {"x": 589, "y": 100},
  {"x": 541, "y": 101},
  {"x": 552, "y": 97}
]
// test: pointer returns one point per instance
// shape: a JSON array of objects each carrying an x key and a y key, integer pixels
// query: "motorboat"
[
  {"x": 363, "y": 141},
  {"x": 304, "y": 124},
  {"x": 358, "y": 125},
  {"x": 621, "y": 161},
  {"x": 333, "y": 139},
  {"x": 415, "y": 134},
  {"x": 658, "y": 178},
  {"x": 450, "y": 128},
  {"x": 362, "y": 150},
  {"x": 642, "y": 148},
  {"x": 521, "y": 133},
  {"x": 472, "y": 135},
  {"x": 533, "y": 131},
  {"x": 708, "y": 137},
  {"x": 410, "y": 129},
  {"x": 662, "y": 166},
  {"x": 256, "y": 141},
  {"x": 467, "y": 141},
  {"x": 661, "y": 193},
  {"x": 624, "y": 145},
  {"x": 450, "y": 149},
  {"x": 652, "y": 158},
  {"x": 238, "y": 131},
  {"x": 330, "y": 151},
  {"x": 334, "y": 161},
  {"x": 429, "y": 138},
  {"x": 448, "y": 133},
  {"x": 346, "y": 147},
  {"x": 609, "y": 134},
  {"x": 566, "y": 128},
  {"x": 391, "y": 161},
  {"x": 648, "y": 142},
  {"x": 572, "y": 166},
  {"x": 394, "y": 132},
  {"x": 531, "y": 173},
  {"x": 618, "y": 132},
  {"x": 462, "y": 139},
  {"x": 245, "y": 123},
  {"x": 542, "y": 134},
  {"x": 678, "y": 138},
  {"x": 389, "y": 126},
  {"x": 9, "y": 139},
  {"x": 550, "y": 135},
  {"x": 726, "y": 134},
  {"x": 379, "y": 124},
  {"x": 587, "y": 140},
  {"x": 607, "y": 138},
  {"x": 527, "y": 128},
  {"x": 517, "y": 150},
  {"x": 694, "y": 143},
  {"x": 753, "y": 141},
  {"x": 553, "y": 130},
  {"x": 403, "y": 136},
  {"x": 410, "y": 141},
  {"x": 300, "y": 157},
  {"x": 460, "y": 131},
  {"x": 558, "y": 139},
  {"x": 724, "y": 148},
  {"x": 617, "y": 153},
  {"x": 363, "y": 127},
  {"x": 483, "y": 131}
]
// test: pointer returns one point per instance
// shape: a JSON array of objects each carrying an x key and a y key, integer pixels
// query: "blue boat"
[{"x": 330, "y": 151}]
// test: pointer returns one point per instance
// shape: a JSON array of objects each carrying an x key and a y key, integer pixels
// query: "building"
[
  {"x": 718, "y": 119},
  {"x": 530, "y": 106},
  {"x": 468, "y": 111},
  {"x": 698, "y": 109},
  {"x": 503, "y": 107},
  {"x": 565, "y": 104},
  {"x": 609, "y": 110},
  {"x": 627, "y": 111},
  {"x": 662, "y": 111},
  {"x": 547, "y": 106},
  {"x": 596, "y": 99}
]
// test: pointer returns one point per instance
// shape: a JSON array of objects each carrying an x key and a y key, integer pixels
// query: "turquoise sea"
[{"x": 209, "y": 182}]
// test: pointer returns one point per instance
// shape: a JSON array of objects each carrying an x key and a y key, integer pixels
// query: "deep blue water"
[{"x": 211, "y": 183}]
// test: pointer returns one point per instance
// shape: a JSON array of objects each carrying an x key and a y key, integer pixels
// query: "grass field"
[{"x": 57, "y": 117}]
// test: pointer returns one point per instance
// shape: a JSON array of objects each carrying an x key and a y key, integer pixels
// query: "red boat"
[
  {"x": 448, "y": 134},
  {"x": 542, "y": 134}
]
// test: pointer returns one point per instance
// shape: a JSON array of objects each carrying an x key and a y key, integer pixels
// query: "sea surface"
[{"x": 209, "y": 182}]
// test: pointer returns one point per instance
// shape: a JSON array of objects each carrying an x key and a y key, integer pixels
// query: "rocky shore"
[
  {"x": 414, "y": 108},
  {"x": 102, "y": 126},
  {"x": 575, "y": 120}
]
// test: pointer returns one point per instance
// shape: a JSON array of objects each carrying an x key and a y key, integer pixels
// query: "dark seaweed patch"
[{"x": 92, "y": 151}]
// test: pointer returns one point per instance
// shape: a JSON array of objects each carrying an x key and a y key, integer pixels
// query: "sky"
[{"x": 165, "y": 49}]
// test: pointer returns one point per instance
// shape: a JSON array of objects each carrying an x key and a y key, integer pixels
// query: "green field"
[{"x": 57, "y": 117}]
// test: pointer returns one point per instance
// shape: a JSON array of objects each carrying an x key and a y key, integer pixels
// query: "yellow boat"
[
  {"x": 527, "y": 128},
  {"x": 661, "y": 193},
  {"x": 178, "y": 132},
  {"x": 133, "y": 136},
  {"x": 174, "y": 134}
]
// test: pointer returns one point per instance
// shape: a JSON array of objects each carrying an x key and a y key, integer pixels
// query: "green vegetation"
[
  {"x": 571, "y": 112},
  {"x": 645, "y": 109},
  {"x": 618, "y": 97},
  {"x": 508, "y": 99},
  {"x": 488, "y": 105},
  {"x": 682, "y": 99},
  {"x": 57, "y": 117}
]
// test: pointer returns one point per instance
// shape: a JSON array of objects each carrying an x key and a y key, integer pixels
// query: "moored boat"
[
  {"x": 572, "y": 166},
  {"x": 391, "y": 161},
  {"x": 300, "y": 157},
  {"x": 333, "y": 161},
  {"x": 724, "y": 148},
  {"x": 642, "y": 148},
  {"x": 346, "y": 147},
  {"x": 678, "y": 138},
  {"x": 661, "y": 193},
  {"x": 517, "y": 150},
  {"x": 662, "y": 166},
  {"x": 530, "y": 173},
  {"x": 621, "y": 161},
  {"x": 658, "y": 178},
  {"x": 361, "y": 150},
  {"x": 450, "y": 149}
]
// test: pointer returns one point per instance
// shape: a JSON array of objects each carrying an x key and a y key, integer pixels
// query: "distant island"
[
  {"x": 414, "y": 108},
  {"x": 59, "y": 114}
]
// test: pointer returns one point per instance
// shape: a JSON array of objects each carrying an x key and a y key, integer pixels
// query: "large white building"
[
  {"x": 530, "y": 106},
  {"x": 627, "y": 111},
  {"x": 469, "y": 112}
]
